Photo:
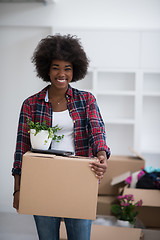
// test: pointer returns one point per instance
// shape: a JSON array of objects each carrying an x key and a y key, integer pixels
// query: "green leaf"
[{"x": 38, "y": 127}]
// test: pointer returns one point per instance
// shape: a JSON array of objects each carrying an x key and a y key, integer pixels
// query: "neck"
[{"x": 57, "y": 93}]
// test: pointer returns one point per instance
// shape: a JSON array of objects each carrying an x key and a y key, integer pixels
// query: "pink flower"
[
  {"x": 122, "y": 203},
  {"x": 139, "y": 203},
  {"x": 126, "y": 208},
  {"x": 120, "y": 197},
  {"x": 130, "y": 197}
]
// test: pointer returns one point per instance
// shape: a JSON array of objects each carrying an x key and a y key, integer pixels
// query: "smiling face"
[{"x": 61, "y": 74}]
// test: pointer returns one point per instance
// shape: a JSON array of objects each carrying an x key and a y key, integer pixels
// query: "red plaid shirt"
[{"x": 89, "y": 130}]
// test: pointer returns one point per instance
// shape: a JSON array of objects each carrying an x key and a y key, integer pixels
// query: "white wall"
[
  {"x": 129, "y": 14},
  {"x": 18, "y": 81},
  {"x": 22, "y": 26}
]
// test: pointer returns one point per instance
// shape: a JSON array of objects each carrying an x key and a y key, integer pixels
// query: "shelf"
[
  {"x": 151, "y": 94},
  {"x": 116, "y": 93},
  {"x": 151, "y": 83},
  {"x": 120, "y": 121},
  {"x": 116, "y": 107},
  {"x": 115, "y": 81}
]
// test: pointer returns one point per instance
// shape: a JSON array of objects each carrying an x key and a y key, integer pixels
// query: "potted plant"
[
  {"x": 41, "y": 135},
  {"x": 126, "y": 210}
]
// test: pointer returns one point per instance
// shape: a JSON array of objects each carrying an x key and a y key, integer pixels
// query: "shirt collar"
[
  {"x": 46, "y": 97},
  {"x": 44, "y": 93}
]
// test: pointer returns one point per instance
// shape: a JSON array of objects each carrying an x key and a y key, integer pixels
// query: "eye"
[
  {"x": 55, "y": 68},
  {"x": 68, "y": 69}
]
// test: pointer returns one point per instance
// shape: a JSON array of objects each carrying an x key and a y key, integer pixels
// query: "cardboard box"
[
  {"x": 108, "y": 232},
  {"x": 149, "y": 213},
  {"x": 58, "y": 186},
  {"x": 151, "y": 234},
  {"x": 104, "y": 204},
  {"x": 114, "y": 233},
  {"x": 118, "y": 165}
]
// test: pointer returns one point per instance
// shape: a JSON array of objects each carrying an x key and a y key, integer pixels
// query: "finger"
[
  {"x": 98, "y": 170},
  {"x": 98, "y": 167},
  {"x": 97, "y": 164},
  {"x": 99, "y": 176}
]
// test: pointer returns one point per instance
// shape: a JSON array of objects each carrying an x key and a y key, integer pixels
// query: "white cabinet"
[
  {"x": 129, "y": 101},
  {"x": 125, "y": 78}
]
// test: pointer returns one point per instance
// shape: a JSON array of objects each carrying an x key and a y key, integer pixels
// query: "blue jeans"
[{"x": 48, "y": 228}]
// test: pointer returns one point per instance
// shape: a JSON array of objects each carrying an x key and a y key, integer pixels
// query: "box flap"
[
  {"x": 149, "y": 197},
  {"x": 120, "y": 178},
  {"x": 137, "y": 154},
  {"x": 44, "y": 155},
  {"x": 118, "y": 165},
  {"x": 32, "y": 154}
]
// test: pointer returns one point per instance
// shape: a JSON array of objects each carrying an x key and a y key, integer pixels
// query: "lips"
[{"x": 61, "y": 80}]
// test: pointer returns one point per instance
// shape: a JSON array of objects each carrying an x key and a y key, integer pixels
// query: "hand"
[
  {"x": 16, "y": 200},
  {"x": 99, "y": 166}
]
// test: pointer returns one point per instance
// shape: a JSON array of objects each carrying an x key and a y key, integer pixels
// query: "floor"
[
  {"x": 14, "y": 226},
  {"x": 17, "y": 227}
]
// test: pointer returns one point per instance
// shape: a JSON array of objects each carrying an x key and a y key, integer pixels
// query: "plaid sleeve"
[
  {"x": 97, "y": 134},
  {"x": 23, "y": 139}
]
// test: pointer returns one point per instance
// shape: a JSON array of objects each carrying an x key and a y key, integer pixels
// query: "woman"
[{"x": 61, "y": 60}]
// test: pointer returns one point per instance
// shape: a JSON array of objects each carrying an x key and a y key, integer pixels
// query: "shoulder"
[
  {"x": 33, "y": 99},
  {"x": 83, "y": 95}
]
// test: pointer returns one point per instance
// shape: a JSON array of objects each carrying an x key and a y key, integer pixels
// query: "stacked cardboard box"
[
  {"x": 119, "y": 168},
  {"x": 117, "y": 165},
  {"x": 149, "y": 213},
  {"x": 55, "y": 185},
  {"x": 108, "y": 232}
]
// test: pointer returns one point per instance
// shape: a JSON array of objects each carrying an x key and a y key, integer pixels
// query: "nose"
[{"x": 61, "y": 73}]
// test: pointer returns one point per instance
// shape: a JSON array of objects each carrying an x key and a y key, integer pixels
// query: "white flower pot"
[
  {"x": 40, "y": 140},
  {"x": 122, "y": 223}
]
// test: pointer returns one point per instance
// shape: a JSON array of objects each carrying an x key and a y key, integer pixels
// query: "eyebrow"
[{"x": 57, "y": 65}]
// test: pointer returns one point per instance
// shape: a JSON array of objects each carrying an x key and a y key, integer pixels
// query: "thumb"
[{"x": 101, "y": 158}]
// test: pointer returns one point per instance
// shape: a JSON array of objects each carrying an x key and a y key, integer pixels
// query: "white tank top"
[{"x": 65, "y": 122}]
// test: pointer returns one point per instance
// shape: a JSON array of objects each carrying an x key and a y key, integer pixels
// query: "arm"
[
  {"x": 98, "y": 140},
  {"x": 17, "y": 179},
  {"x": 22, "y": 145},
  {"x": 23, "y": 139}
]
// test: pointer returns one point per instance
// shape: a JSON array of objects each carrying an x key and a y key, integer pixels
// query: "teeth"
[{"x": 61, "y": 80}]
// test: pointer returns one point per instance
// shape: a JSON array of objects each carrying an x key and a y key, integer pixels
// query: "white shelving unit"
[
  {"x": 125, "y": 79},
  {"x": 129, "y": 101}
]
